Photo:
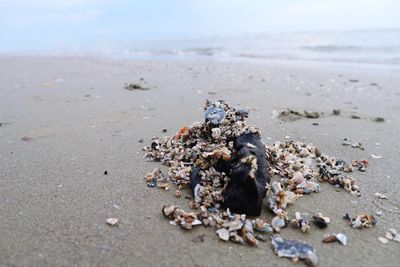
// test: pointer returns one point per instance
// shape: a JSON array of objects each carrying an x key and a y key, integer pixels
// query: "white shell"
[
  {"x": 223, "y": 234},
  {"x": 112, "y": 221},
  {"x": 342, "y": 239},
  {"x": 383, "y": 240}
]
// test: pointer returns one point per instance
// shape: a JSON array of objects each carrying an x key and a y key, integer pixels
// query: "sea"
[{"x": 356, "y": 46}]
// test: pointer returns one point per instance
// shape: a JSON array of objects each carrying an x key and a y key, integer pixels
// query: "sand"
[{"x": 77, "y": 121}]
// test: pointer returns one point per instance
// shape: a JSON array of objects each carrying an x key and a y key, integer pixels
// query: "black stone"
[{"x": 244, "y": 194}]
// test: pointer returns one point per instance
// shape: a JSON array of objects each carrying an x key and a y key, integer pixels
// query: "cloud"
[
  {"x": 59, "y": 17},
  {"x": 26, "y": 4}
]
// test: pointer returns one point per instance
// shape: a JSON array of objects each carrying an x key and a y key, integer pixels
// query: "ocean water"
[{"x": 361, "y": 46}]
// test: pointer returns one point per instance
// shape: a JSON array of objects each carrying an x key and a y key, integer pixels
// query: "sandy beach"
[{"x": 64, "y": 121}]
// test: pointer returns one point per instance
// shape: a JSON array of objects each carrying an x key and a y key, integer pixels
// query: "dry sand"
[{"x": 78, "y": 121}]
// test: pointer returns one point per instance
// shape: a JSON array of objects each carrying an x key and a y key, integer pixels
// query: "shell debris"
[
  {"x": 381, "y": 196},
  {"x": 294, "y": 249},
  {"x": 301, "y": 223},
  {"x": 383, "y": 240},
  {"x": 361, "y": 221},
  {"x": 321, "y": 221},
  {"x": 201, "y": 147},
  {"x": 112, "y": 221},
  {"x": 332, "y": 237}
]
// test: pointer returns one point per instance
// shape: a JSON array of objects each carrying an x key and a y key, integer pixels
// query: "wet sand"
[{"x": 64, "y": 121}]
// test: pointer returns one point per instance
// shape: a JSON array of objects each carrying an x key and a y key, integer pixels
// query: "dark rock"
[{"x": 243, "y": 193}]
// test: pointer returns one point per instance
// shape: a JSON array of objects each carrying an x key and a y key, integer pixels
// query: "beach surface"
[{"x": 64, "y": 121}]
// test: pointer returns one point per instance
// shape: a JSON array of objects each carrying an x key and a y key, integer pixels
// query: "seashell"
[
  {"x": 393, "y": 231},
  {"x": 361, "y": 221},
  {"x": 250, "y": 239},
  {"x": 247, "y": 227},
  {"x": 329, "y": 238},
  {"x": 233, "y": 225},
  {"x": 178, "y": 193},
  {"x": 304, "y": 152},
  {"x": 294, "y": 249},
  {"x": 348, "y": 168},
  {"x": 222, "y": 153},
  {"x": 301, "y": 223},
  {"x": 389, "y": 236},
  {"x": 169, "y": 211},
  {"x": 183, "y": 132},
  {"x": 321, "y": 221},
  {"x": 262, "y": 226},
  {"x": 215, "y": 133},
  {"x": 281, "y": 199},
  {"x": 278, "y": 222},
  {"x": 341, "y": 238},
  {"x": 290, "y": 197},
  {"x": 223, "y": 234},
  {"x": 383, "y": 240},
  {"x": 261, "y": 238},
  {"x": 214, "y": 115},
  {"x": 309, "y": 187},
  {"x": 297, "y": 178},
  {"x": 164, "y": 186},
  {"x": 236, "y": 238},
  {"x": 381, "y": 196},
  {"x": 112, "y": 221}
]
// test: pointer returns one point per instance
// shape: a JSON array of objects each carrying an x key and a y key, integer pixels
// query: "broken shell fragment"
[
  {"x": 321, "y": 221},
  {"x": 278, "y": 221},
  {"x": 383, "y": 240},
  {"x": 236, "y": 238},
  {"x": 155, "y": 176},
  {"x": 112, "y": 221},
  {"x": 301, "y": 223},
  {"x": 250, "y": 239},
  {"x": 389, "y": 236},
  {"x": 392, "y": 235},
  {"x": 341, "y": 238},
  {"x": 381, "y": 196},
  {"x": 168, "y": 211},
  {"x": 294, "y": 249},
  {"x": 393, "y": 231},
  {"x": 214, "y": 115},
  {"x": 223, "y": 234},
  {"x": 178, "y": 193},
  {"x": 361, "y": 221},
  {"x": 307, "y": 187},
  {"x": 180, "y": 217},
  {"x": 262, "y": 226}
]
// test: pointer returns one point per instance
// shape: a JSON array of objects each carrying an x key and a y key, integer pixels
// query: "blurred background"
[{"x": 366, "y": 31}]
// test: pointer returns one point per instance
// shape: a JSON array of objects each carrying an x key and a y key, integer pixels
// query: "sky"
[{"x": 47, "y": 24}]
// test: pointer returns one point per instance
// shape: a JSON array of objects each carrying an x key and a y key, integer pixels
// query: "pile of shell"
[
  {"x": 228, "y": 226},
  {"x": 300, "y": 168}
]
